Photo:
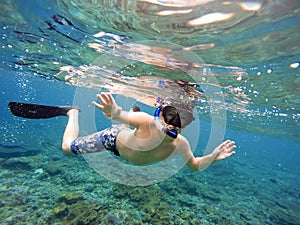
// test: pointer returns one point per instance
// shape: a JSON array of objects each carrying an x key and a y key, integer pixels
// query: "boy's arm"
[
  {"x": 114, "y": 112},
  {"x": 224, "y": 150}
]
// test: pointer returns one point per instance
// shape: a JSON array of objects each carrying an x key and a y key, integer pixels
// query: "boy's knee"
[{"x": 66, "y": 148}]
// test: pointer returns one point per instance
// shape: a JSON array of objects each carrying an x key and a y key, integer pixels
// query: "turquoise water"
[{"x": 243, "y": 61}]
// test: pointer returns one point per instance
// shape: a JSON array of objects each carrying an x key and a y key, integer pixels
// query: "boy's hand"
[
  {"x": 224, "y": 150},
  {"x": 108, "y": 105}
]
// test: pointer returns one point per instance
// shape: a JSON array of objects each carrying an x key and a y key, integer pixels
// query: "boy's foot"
[{"x": 36, "y": 111}]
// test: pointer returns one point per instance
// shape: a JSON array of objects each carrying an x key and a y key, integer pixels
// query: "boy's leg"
[{"x": 71, "y": 131}]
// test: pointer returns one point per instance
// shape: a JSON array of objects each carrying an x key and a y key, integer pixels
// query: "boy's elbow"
[
  {"x": 196, "y": 167},
  {"x": 193, "y": 168}
]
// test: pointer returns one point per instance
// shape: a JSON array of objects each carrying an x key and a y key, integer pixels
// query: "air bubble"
[
  {"x": 294, "y": 65},
  {"x": 239, "y": 78}
]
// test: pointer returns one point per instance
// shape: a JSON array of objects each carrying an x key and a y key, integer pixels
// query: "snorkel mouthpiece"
[{"x": 170, "y": 132}]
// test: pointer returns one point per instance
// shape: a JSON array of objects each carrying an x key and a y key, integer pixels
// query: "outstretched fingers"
[
  {"x": 105, "y": 98},
  {"x": 223, "y": 145},
  {"x": 107, "y": 105},
  {"x": 102, "y": 100},
  {"x": 225, "y": 150},
  {"x": 110, "y": 98},
  {"x": 229, "y": 147},
  {"x": 99, "y": 106}
]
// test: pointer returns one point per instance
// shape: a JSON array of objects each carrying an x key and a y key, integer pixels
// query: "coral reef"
[
  {"x": 47, "y": 189},
  {"x": 75, "y": 211}
]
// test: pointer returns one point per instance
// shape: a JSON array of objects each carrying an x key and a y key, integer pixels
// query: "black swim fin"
[{"x": 35, "y": 111}]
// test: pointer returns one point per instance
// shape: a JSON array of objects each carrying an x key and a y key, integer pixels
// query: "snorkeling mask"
[{"x": 171, "y": 117}]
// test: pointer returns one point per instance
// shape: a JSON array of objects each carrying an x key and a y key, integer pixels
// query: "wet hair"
[{"x": 136, "y": 108}]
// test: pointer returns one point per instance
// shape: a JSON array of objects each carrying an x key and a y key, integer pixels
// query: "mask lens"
[{"x": 171, "y": 116}]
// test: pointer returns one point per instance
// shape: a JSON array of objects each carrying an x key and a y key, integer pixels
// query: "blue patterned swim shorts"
[{"x": 97, "y": 142}]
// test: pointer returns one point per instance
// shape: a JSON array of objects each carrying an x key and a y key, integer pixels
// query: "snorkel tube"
[{"x": 172, "y": 133}]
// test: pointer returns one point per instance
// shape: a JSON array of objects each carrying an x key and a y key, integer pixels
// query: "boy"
[{"x": 154, "y": 139}]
